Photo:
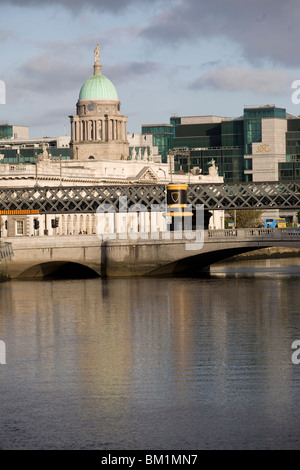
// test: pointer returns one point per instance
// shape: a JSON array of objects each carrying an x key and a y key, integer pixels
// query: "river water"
[{"x": 170, "y": 364}]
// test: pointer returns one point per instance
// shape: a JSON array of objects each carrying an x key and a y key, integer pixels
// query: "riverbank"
[{"x": 268, "y": 253}]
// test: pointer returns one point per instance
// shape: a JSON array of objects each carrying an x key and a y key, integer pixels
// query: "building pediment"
[{"x": 146, "y": 174}]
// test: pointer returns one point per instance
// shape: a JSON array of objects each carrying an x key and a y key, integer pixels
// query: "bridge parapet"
[
  {"x": 266, "y": 233},
  {"x": 241, "y": 233}
]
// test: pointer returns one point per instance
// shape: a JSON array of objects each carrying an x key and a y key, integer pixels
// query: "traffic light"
[
  {"x": 36, "y": 224},
  {"x": 54, "y": 223}
]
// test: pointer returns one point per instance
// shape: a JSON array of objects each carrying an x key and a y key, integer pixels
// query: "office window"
[{"x": 252, "y": 133}]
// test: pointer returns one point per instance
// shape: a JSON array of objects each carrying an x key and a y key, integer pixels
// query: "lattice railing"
[{"x": 214, "y": 196}]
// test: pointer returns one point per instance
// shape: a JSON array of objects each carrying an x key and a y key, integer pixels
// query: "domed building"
[{"x": 98, "y": 130}]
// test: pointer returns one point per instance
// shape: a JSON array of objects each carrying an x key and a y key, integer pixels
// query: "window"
[
  {"x": 252, "y": 133},
  {"x": 20, "y": 227}
]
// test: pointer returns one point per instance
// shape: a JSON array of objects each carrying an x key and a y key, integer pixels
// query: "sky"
[{"x": 165, "y": 58}]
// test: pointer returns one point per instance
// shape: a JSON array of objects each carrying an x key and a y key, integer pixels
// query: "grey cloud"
[
  {"x": 131, "y": 70},
  {"x": 263, "y": 28},
  {"x": 78, "y": 5},
  {"x": 244, "y": 80},
  {"x": 51, "y": 117},
  {"x": 54, "y": 73},
  {"x": 47, "y": 74},
  {"x": 6, "y": 35}
]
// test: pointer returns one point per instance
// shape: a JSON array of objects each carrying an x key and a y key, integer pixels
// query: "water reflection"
[
  {"x": 151, "y": 363},
  {"x": 268, "y": 267}
]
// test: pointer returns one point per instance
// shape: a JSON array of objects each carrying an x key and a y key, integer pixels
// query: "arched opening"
[
  {"x": 59, "y": 270},
  {"x": 91, "y": 157},
  {"x": 194, "y": 265}
]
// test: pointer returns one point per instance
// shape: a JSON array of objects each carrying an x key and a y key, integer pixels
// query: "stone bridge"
[{"x": 87, "y": 255}]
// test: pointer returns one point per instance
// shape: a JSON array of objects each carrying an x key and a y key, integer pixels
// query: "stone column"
[
  {"x": 106, "y": 129},
  {"x": 109, "y": 130}
]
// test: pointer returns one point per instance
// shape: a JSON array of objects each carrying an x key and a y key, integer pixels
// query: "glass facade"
[
  {"x": 289, "y": 171},
  {"x": 198, "y": 135},
  {"x": 293, "y": 140},
  {"x": 222, "y": 141},
  {"x": 28, "y": 155},
  {"x": 228, "y": 160},
  {"x": 174, "y": 121},
  {"x": 264, "y": 112},
  {"x": 232, "y": 133},
  {"x": 163, "y": 136},
  {"x": 6, "y": 132},
  {"x": 252, "y": 133},
  {"x": 229, "y": 141}
]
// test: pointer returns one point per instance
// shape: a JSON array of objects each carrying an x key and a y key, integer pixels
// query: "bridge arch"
[
  {"x": 191, "y": 265},
  {"x": 58, "y": 270}
]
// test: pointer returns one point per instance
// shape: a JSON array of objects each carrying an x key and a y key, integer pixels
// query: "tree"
[{"x": 247, "y": 218}]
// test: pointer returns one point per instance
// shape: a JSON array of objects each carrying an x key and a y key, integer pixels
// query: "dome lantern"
[{"x": 98, "y": 87}]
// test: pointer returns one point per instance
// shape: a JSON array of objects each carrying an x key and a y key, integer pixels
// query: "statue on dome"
[{"x": 97, "y": 54}]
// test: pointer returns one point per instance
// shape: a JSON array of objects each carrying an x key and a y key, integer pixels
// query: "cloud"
[
  {"x": 55, "y": 72},
  {"x": 264, "y": 29},
  {"x": 49, "y": 118},
  {"x": 236, "y": 79},
  {"x": 131, "y": 70},
  {"x": 113, "y": 6},
  {"x": 5, "y": 34},
  {"x": 48, "y": 74}
]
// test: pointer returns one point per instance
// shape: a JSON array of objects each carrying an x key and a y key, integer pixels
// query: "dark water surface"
[{"x": 170, "y": 364}]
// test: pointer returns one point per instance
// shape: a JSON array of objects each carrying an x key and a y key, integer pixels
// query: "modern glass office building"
[
  {"x": 263, "y": 144},
  {"x": 163, "y": 136},
  {"x": 221, "y": 141},
  {"x": 17, "y": 147},
  {"x": 290, "y": 170}
]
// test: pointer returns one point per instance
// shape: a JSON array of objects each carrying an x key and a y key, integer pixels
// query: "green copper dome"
[{"x": 98, "y": 87}]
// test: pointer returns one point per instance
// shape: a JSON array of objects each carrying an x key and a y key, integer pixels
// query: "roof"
[{"x": 98, "y": 87}]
